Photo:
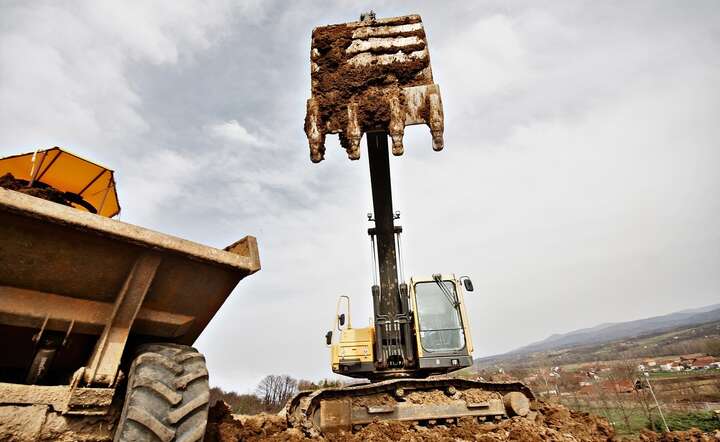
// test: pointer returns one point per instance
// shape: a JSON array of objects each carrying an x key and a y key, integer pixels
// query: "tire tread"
[{"x": 167, "y": 396}]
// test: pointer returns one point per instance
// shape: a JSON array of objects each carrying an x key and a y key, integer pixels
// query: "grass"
[
  {"x": 632, "y": 420},
  {"x": 681, "y": 374},
  {"x": 704, "y": 420},
  {"x": 636, "y": 418}
]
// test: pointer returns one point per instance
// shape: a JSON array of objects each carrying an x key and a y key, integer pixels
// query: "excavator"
[{"x": 373, "y": 77}]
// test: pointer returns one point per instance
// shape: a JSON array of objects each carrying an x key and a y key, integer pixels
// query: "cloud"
[
  {"x": 69, "y": 66},
  {"x": 158, "y": 180},
  {"x": 578, "y": 184},
  {"x": 232, "y": 131}
]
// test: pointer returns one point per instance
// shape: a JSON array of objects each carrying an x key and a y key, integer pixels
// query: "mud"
[
  {"x": 426, "y": 397},
  {"x": 336, "y": 82},
  {"x": 38, "y": 423},
  {"x": 475, "y": 395},
  {"x": 549, "y": 423},
  {"x": 693, "y": 435},
  {"x": 45, "y": 191},
  {"x": 374, "y": 400},
  {"x": 39, "y": 190}
]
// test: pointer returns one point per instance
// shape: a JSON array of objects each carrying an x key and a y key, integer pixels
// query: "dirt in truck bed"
[{"x": 38, "y": 190}]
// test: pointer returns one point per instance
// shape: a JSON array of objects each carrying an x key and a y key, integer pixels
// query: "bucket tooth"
[
  {"x": 316, "y": 137},
  {"x": 436, "y": 119},
  {"x": 396, "y": 128},
  {"x": 353, "y": 133}
]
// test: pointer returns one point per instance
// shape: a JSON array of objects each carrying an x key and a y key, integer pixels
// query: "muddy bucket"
[{"x": 371, "y": 75}]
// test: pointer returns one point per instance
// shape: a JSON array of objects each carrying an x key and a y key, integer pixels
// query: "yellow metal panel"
[
  {"x": 67, "y": 172},
  {"x": 357, "y": 334},
  {"x": 355, "y": 344},
  {"x": 413, "y": 305},
  {"x": 465, "y": 319}
]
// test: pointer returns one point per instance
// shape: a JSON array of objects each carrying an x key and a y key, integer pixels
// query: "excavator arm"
[{"x": 373, "y": 77}]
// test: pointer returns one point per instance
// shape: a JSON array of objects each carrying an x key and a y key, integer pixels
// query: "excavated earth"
[
  {"x": 549, "y": 423},
  {"x": 40, "y": 190}
]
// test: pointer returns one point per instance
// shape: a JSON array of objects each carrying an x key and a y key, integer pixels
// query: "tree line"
[{"x": 270, "y": 395}]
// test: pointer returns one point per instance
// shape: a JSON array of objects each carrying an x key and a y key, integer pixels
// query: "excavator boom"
[{"x": 374, "y": 77}]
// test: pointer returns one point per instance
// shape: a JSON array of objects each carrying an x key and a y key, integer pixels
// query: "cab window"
[{"x": 439, "y": 325}]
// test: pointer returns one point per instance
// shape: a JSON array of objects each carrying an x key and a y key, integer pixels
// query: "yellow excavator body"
[{"x": 440, "y": 330}]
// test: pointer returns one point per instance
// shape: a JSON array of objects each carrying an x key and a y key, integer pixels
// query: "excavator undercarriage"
[{"x": 424, "y": 401}]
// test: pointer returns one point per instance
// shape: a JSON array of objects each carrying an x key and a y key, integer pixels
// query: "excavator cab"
[{"x": 440, "y": 331}]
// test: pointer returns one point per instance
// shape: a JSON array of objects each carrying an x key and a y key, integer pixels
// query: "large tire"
[{"x": 167, "y": 396}]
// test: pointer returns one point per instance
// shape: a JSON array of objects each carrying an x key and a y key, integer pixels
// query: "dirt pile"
[
  {"x": 44, "y": 191},
  {"x": 693, "y": 435},
  {"x": 39, "y": 190},
  {"x": 549, "y": 423}
]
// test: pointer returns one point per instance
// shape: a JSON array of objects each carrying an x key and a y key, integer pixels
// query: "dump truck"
[
  {"x": 373, "y": 78},
  {"x": 98, "y": 318}
]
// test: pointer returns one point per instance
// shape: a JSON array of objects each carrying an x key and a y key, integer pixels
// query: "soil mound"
[
  {"x": 548, "y": 423},
  {"x": 692, "y": 435}
]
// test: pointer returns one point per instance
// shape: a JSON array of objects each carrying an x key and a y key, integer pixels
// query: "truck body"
[{"x": 80, "y": 293}]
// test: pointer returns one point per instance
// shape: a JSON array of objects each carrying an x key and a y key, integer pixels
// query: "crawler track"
[{"x": 420, "y": 400}]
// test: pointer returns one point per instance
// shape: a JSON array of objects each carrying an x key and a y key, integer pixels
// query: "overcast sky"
[{"x": 580, "y": 181}]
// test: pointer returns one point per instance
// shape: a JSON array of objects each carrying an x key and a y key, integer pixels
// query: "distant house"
[
  {"x": 622, "y": 386},
  {"x": 691, "y": 356},
  {"x": 677, "y": 367},
  {"x": 702, "y": 362}
]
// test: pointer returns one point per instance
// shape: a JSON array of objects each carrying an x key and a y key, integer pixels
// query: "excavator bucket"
[{"x": 371, "y": 75}]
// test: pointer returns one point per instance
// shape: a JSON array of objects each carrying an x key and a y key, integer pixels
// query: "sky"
[{"x": 579, "y": 184}]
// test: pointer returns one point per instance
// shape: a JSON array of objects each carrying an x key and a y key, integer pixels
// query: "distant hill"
[{"x": 609, "y": 332}]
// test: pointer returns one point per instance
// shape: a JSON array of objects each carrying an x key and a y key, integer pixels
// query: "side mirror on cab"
[
  {"x": 467, "y": 283},
  {"x": 328, "y": 338},
  {"x": 341, "y": 319}
]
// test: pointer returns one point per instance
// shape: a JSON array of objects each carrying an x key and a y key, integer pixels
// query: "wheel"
[{"x": 167, "y": 396}]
